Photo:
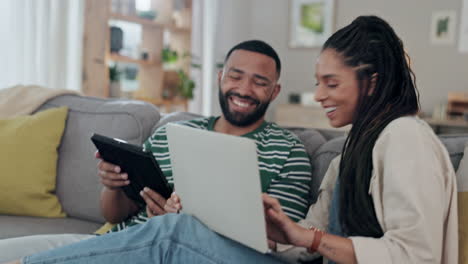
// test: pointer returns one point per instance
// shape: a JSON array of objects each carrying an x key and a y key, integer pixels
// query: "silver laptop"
[{"x": 217, "y": 178}]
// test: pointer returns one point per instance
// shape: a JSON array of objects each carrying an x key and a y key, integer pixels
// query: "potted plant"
[
  {"x": 169, "y": 58},
  {"x": 186, "y": 85},
  {"x": 114, "y": 78}
]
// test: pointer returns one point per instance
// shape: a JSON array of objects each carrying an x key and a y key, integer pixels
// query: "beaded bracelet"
[{"x": 317, "y": 239}]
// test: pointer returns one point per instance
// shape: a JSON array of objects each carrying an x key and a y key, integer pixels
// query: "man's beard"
[{"x": 241, "y": 119}]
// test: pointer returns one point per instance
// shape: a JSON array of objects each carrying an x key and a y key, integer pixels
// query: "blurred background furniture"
[
  {"x": 138, "y": 52},
  {"x": 308, "y": 116},
  {"x": 451, "y": 117}
]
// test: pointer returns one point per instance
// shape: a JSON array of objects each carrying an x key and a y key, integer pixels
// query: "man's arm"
[
  {"x": 292, "y": 185},
  {"x": 115, "y": 206}
]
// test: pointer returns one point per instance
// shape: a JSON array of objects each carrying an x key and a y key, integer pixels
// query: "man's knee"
[
  {"x": 171, "y": 218},
  {"x": 173, "y": 223}
]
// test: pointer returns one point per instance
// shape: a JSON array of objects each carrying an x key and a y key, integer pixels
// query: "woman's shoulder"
[
  {"x": 411, "y": 139},
  {"x": 409, "y": 132},
  {"x": 407, "y": 123},
  {"x": 408, "y": 127}
]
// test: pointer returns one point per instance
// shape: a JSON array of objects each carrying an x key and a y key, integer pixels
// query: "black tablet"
[{"x": 141, "y": 167}]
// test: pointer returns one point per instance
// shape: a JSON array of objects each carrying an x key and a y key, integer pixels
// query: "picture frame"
[
  {"x": 311, "y": 22},
  {"x": 443, "y": 27}
]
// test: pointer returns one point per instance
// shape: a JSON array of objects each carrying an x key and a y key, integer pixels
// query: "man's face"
[{"x": 247, "y": 85}]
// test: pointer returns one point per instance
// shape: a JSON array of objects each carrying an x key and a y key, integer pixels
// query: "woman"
[
  {"x": 389, "y": 198},
  {"x": 393, "y": 192}
]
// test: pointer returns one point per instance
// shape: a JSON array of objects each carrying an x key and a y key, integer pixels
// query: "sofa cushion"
[
  {"x": 311, "y": 138},
  {"x": 15, "y": 226},
  {"x": 28, "y": 162},
  {"x": 462, "y": 183},
  {"x": 455, "y": 144},
  {"x": 320, "y": 162},
  {"x": 328, "y": 151},
  {"x": 78, "y": 186},
  {"x": 174, "y": 117}
]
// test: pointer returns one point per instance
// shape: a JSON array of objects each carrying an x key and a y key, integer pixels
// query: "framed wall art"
[
  {"x": 311, "y": 22},
  {"x": 443, "y": 27}
]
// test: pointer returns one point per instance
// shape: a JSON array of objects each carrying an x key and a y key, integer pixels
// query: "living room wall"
[{"x": 438, "y": 69}]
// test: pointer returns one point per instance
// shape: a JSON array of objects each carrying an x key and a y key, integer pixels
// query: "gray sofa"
[{"x": 78, "y": 187}]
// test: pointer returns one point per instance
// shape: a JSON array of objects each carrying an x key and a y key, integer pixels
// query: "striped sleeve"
[
  {"x": 292, "y": 186},
  {"x": 159, "y": 146}
]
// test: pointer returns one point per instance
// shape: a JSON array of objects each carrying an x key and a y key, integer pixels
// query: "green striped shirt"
[{"x": 283, "y": 162}]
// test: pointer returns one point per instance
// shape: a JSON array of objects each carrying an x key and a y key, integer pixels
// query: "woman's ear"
[{"x": 373, "y": 82}]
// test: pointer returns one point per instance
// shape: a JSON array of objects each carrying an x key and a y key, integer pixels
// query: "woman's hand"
[
  {"x": 271, "y": 244},
  {"x": 281, "y": 228},
  {"x": 173, "y": 204}
]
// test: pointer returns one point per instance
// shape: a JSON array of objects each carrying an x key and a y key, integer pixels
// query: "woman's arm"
[
  {"x": 282, "y": 229},
  {"x": 414, "y": 194}
]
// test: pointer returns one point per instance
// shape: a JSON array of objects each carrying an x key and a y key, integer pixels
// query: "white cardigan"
[{"x": 414, "y": 191}]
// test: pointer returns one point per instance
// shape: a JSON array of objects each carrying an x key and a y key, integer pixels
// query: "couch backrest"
[
  {"x": 455, "y": 145},
  {"x": 323, "y": 146},
  {"x": 327, "y": 152},
  {"x": 311, "y": 138},
  {"x": 78, "y": 186}
]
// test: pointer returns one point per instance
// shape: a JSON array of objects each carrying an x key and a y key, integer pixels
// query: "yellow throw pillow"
[
  {"x": 28, "y": 163},
  {"x": 104, "y": 229},
  {"x": 462, "y": 184}
]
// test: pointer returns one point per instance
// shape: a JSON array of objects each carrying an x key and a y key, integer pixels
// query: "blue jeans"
[{"x": 172, "y": 238}]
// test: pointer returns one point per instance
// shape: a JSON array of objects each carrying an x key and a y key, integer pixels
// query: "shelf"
[
  {"x": 150, "y": 23},
  {"x": 448, "y": 125},
  {"x": 170, "y": 72},
  {"x": 295, "y": 115},
  {"x": 177, "y": 29},
  {"x": 457, "y": 102},
  {"x": 449, "y": 122},
  {"x": 153, "y": 81},
  {"x": 458, "y": 97},
  {"x": 120, "y": 58},
  {"x": 136, "y": 20}
]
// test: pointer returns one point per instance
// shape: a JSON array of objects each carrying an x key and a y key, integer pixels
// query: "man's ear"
[
  {"x": 373, "y": 83},
  {"x": 275, "y": 92},
  {"x": 220, "y": 75}
]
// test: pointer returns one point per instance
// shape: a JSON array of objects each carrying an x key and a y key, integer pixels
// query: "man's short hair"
[{"x": 259, "y": 47}]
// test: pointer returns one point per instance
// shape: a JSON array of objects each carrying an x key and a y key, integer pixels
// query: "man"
[{"x": 247, "y": 84}]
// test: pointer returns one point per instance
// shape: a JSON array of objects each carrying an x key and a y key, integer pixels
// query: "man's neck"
[{"x": 223, "y": 126}]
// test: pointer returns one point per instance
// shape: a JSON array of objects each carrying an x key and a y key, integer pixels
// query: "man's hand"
[
  {"x": 173, "y": 204},
  {"x": 110, "y": 174},
  {"x": 154, "y": 202},
  {"x": 115, "y": 205}
]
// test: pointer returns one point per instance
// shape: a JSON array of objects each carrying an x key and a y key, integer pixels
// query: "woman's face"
[{"x": 337, "y": 88}]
